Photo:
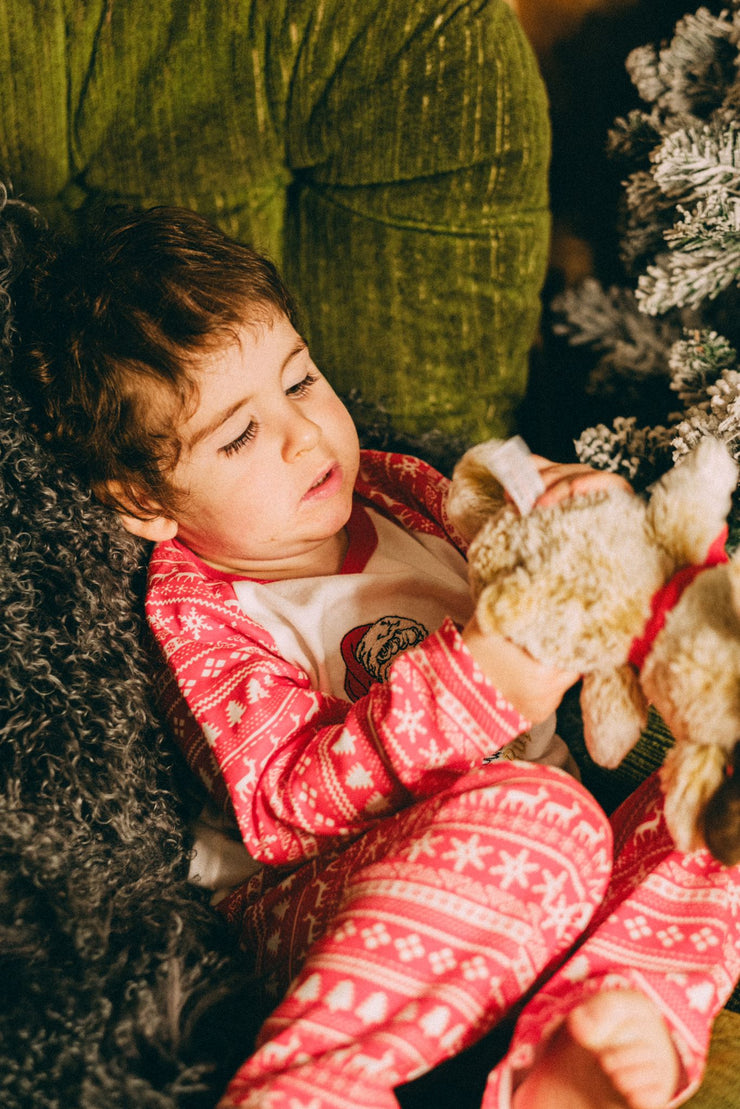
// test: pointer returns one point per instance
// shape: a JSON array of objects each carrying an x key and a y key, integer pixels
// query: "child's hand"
[
  {"x": 569, "y": 479},
  {"x": 531, "y": 687},
  {"x": 534, "y": 689}
]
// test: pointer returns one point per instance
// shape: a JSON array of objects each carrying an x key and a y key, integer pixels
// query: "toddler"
[{"x": 401, "y": 890}]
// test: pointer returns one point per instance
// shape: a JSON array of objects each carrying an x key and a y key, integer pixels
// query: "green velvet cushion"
[
  {"x": 391, "y": 155},
  {"x": 720, "y": 1088}
]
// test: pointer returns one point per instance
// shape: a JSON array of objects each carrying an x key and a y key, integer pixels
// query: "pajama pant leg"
[
  {"x": 435, "y": 923},
  {"x": 669, "y": 927}
]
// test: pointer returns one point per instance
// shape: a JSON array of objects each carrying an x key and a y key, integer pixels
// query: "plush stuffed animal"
[{"x": 639, "y": 597}]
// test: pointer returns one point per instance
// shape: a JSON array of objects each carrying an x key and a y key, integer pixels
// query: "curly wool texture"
[{"x": 121, "y": 986}]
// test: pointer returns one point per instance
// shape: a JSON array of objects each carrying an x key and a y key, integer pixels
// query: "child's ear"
[{"x": 156, "y": 527}]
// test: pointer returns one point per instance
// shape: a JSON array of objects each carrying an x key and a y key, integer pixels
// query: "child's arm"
[{"x": 300, "y": 766}]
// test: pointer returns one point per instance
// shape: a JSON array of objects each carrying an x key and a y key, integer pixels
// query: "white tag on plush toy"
[{"x": 512, "y": 464}]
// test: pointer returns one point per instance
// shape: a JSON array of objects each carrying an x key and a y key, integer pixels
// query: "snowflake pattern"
[
  {"x": 467, "y": 852},
  {"x": 434, "y": 755},
  {"x": 514, "y": 869},
  {"x": 194, "y": 622},
  {"x": 551, "y": 886},
  {"x": 409, "y": 721},
  {"x": 158, "y": 619},
  {"x": 733, "y": 899},
  {"x": 562, "y": 915},
  {"x": 424, "y": 845}
]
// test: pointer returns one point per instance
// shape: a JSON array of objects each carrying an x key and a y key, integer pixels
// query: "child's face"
[{"x": 269, "y": 459}]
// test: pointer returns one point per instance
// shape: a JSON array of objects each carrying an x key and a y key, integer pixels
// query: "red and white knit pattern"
[
  {"x": 415, "y": 941},
  {"x": 304, "y": 770},
  {"x": 669, "y": 927},
  {"x": 428, "y": 893}
]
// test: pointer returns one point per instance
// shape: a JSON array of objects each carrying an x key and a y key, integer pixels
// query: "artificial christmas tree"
[{"x": 667, "y": 341}]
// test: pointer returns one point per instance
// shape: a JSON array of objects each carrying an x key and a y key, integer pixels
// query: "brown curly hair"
[{"x": 104, "y": 323}]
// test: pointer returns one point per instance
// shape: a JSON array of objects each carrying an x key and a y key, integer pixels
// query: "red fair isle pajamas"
[{"x": 412, "y": 895}]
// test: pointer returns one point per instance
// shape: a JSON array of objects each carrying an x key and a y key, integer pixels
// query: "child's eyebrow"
[
  {"x": 217, "y": 422},
  {"x": 225, "y": 414}
]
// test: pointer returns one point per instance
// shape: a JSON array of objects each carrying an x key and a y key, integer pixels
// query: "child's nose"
[{"x": 301, "y": 435}]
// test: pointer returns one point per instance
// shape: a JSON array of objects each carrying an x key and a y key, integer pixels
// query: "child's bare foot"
[{"x": 612, "y": 1052}]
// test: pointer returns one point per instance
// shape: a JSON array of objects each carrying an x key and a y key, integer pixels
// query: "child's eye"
[
  {"x": 301, "y": 388},
  {"x": 241, "y": 440}
]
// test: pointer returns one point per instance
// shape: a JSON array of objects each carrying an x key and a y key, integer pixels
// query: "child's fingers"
[
  {"x": 564, "y": 480},
  {"x": 573, "y": 485}
]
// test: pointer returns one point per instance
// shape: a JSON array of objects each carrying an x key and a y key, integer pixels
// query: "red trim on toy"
[{"x": 668, "y": 596}]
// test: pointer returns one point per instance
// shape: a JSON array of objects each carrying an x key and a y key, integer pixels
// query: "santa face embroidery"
[{"x": 369, "y": 649}]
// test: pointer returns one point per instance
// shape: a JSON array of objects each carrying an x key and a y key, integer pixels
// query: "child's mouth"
[
  {"x": 326, "y": 484},
  {"x": 321, "y": 481}
]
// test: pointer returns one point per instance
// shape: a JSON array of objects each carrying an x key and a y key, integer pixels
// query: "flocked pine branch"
[
  {"x": 718, "y": 416},
  {"x": 690, "y": 76},
  {"x": 640, "y": 454},
  {"x": 703, "y": 258},
  {"x": 680, "y": 244},
  {"x": 648, "y": 215},
  {"x": 704, "y": 375},
  {"x": 694, "y": 162},
  {"x": 696, "y": 362},
  {"x": 631, "y": 345}
]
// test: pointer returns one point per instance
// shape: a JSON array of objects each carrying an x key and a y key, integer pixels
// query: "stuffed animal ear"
[
  {"x": 721, "y": 817},
  {"x": 734, "y": 577},
  {"x": 690, "y": 504},
  {"x": 691, "y": 776},
  {"x": 475, "y": 495},
  {"x": 614, "y": 713}
]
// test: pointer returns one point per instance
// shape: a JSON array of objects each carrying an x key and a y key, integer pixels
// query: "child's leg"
[
  {"x": 436, "y": 922},
  {"x": 667, "y": 937}
]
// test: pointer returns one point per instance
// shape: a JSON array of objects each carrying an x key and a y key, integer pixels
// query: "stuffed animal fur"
[{"x": 610, "y": 585}]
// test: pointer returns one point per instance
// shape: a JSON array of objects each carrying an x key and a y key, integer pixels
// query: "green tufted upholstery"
[{"x": 391, "y": 155}]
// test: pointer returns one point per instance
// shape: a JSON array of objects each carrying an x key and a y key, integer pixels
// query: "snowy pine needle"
[{"x": 696, "y": 362}]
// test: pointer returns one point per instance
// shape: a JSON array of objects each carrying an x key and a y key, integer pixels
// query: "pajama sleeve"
[{"x": 302, "y": 770}]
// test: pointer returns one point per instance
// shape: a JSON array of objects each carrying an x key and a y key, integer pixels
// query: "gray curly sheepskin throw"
[{"x": 120, "y": 986}]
